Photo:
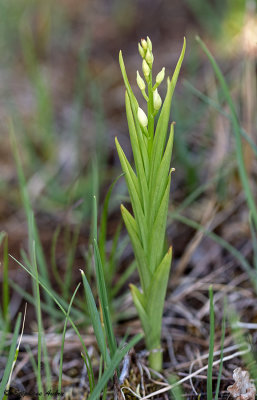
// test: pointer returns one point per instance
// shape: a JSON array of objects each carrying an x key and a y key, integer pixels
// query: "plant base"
[{"x": 155, "y": 359}]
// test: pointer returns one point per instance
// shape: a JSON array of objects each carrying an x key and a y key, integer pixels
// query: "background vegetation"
[{"x": 61, "y": 106}]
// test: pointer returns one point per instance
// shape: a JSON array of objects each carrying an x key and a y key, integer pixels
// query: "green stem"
[{"x": 155, "y": 360}]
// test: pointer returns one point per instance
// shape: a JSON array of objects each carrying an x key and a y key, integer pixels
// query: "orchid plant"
[{"x": 149, "y": 189}]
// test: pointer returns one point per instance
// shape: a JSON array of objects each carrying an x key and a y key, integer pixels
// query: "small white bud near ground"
[
  {"x": 141, "y": 50},
  {"x": 144, "y": 44},
  {"x": 146, "y": 69},
  {"x": 157, "y": 101},
  {"x": 142, "y": 118},
  {"x": 140, "y": 82},
  {"x": 160, "y": 76},
  {"x": 149, "y": 57}
]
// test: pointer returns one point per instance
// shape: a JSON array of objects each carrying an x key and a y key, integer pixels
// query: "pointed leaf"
[
  {"x": 155, "y": 300},
  {"x": 139, "y": 155},
  {"x": 140, "y": 255},
  {"x": 139, "y": 300},
  {"x": 159, "y": 183},
  {"x": 95, "y": 320},
  {"x": 104, "y": 300},
  {"x": 134, "y": 192},
  {"x": 11, "y": 357},
  {"x": 103, "y": 224},
  {"x": 108, "y": 373},
  {"x": 158, "y": 231}
]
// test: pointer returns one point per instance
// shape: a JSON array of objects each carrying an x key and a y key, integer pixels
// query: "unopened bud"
[
  {"x": 141, "y": 50},
  {"x": 149, "y": 57},
  {"x": 142, "y": 118},
  {"x": 157, "y": 101},
  {"x": 160, "y": 76},
  {"x": 140, "y": 82},
  {"x": 144, "y": 44},
  {"x": 146, "y": 69},
  {"x": 149, "y": 44}
]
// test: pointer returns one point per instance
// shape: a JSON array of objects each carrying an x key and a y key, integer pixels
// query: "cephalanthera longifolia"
[{"x": 149, "y": 188}]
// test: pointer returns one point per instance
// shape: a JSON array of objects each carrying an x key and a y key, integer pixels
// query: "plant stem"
[{"x": 155, "y": 359}]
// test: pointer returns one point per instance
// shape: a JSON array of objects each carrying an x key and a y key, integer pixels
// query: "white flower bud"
[
  {"x": 140, "y": 82},
  {"x": 149, "y": 57},
  {"x": 141, "y": 50},
  {"x": 146, "y": 69},
  {"x": 144, "y": 44},
  {"x": 149, "y": 44},
  {"x": 142, "y": 118},
  {"x": 157, "y": 101},
  {"x": 160, "y": 76}
]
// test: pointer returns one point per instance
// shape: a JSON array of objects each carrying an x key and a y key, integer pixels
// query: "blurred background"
[{"x": 62, "y": 94}]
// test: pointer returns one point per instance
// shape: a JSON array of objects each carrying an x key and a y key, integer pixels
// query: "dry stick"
[{"x": 169, "y": 387}]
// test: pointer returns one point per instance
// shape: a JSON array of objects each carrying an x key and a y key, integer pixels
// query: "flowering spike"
[
  {"x": 157, "y": 101},
  {"x": 142, "y": 118},
  {"x": 140, "y": 82}
]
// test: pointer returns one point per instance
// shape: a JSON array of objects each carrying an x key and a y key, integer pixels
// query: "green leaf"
[
  {"x": 155, "y": 300},
  {"x": 117, "y": 357},
  {"x": 58, "y": 302},
  {"x": 28, "y": 210},
  {"x": 140, "y": 255},
  {"x": 157, "y": 233},
  {"x": 211, "y": 346},
  {"x": 63, "y": 341},
  {"x": 139, "y": 155},
  {"x": 95, "y": 320},
  {"x": 11, "y": 357},
  {"x": 139, "y": 301},
  {"x": 104, "y": 300},
  {"x": 103, "y": 224},
  {"x": 134, "y": 192},
  {"x": 159, "y": 183}
]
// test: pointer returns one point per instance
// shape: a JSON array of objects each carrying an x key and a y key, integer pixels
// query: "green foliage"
[
  {"x": 12, "y": 357},
  {"x": 149, "y": 187}
]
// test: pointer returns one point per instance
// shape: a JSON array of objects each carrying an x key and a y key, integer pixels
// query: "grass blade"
[
  {"x": 101, "y": 288},
  {"x": 239, "y": 148},
  {"x": 103, "y": 223},
  {"x": 6, "y": 297},
  {"x": 95, "y": 320},
  {"x": 11, "y": 358},
  {"x": 28, "y": 210},
  {"x": 223, "y": 331},
  {"x": 211, "y": 346},
  {"x": 214, "y": 104},
  {"x": 56, "y": 300},
  {"x": 63, "y": 340},
  {"x": 116, "y": 359}
]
